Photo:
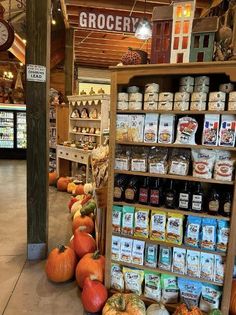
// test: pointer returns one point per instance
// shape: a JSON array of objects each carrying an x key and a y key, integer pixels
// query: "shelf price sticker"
[{"x": 36, "y": 73}]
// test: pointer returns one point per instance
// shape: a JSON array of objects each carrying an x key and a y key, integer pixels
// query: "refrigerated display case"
[{"x": 13, "y": 133}]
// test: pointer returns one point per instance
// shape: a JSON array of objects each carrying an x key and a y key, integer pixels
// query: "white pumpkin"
[
  {"x": 157, "y": 309},
  {"x": 76, "y": 207},
  {"x": 88, "y": 188}
]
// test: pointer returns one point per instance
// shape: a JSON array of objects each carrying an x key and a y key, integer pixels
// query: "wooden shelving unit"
[{"x": 166, "y": 75}]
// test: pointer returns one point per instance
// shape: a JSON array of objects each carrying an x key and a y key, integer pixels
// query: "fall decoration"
[
  {"x": 157, "y": 309},
  {"x": 94, "y": 295},
  {"x": 76, "y": 207},
  {"x": 71, "y": 187},
  {"x": 88, "y": 208},
  {"x": 79, "y": 190},
  {"x": 232, "y": 306},
  {"x": 61, "y": 263},
  {"x": 83, "y": 221},
  {"x": 131, "y": 57},
  {"x": 215, "y": 312},
  {"x": 90, "y": 265},
  {"x": 71, "y": 202},
  {"x": 124, "y": 304},
  {"x": 88, "y": 188},
  {"x": 83, "y": 242},
  {"x": 62, "y": 183},
  {"x": 52, "y": 178},
  {"x": 183, "y": 310}
]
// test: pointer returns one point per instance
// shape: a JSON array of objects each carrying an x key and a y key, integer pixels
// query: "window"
[
  {"x": 187, "y": 10},
  {"x": 176, "y": 43},
  {"x": 196, "y": 41},
  {"x": 185, "y": 42},
  {"x": 180, "y": 58},
  {"x": 186, "y": 27},
  {"x": 177, "y": 27},
  {"x": 179, "y": 11},
  {"x": 206, "y": 41},
  {"x": 200, "y": 56}
]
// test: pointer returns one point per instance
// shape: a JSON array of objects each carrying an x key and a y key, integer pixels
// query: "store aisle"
[{"x": 24, "y": 288}]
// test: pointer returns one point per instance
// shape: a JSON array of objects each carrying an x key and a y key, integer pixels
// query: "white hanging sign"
[{"x": 36, "y": 73}]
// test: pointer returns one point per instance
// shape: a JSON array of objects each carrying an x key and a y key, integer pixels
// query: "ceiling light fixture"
[{"x": 144, "y": 28}]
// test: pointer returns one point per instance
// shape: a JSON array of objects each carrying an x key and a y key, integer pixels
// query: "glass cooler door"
[
  {"x": 21, "y": 138},
  {"x": 6, "y": 130}
]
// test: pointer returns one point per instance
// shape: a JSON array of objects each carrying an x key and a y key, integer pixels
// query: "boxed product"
[
  {"x": 170, "y": 290},
  {"x": 224, "y": 166},
  {"x": 136, "y": 128},
  {"x": 138, "y": 252},
  {"x": 122, "y": 105},
  {"x": 217, "y": 96},
  {"x": 211, "y": 130},
  {"x": 207, "y": 266},
  {"x": 174, "y": 228},
  {"x": 128, "y": 221},
  {"x": 202, "y": 80},
  {"x": 141, "y": 223},
  {"x": 193, "y": 263},
  {"x": 232, "y": 96},
  {"x": 158, "y": 225},
  {"x": 115, "y": 247},
  {"x": 152, "y": 88},
  {"x": 201, "y": 88},
  {"x": 151, "y": 128},
  {"x": 181, "y": 106},
  {"x": 152, "y": 286},
  {"x": 186, "y": 130},
  {"x": 133, "y": 280},
  {"x": 117, "y": 278},
  {"x": 123, "y": 97},
  {"x": 166, "y": 97},
  {"x": 151, "y": 255},
  {"x": 166, "y": 129},
  {"x": 122, "y": 122},
  {"x": 192, "y": 233},
  {"x": 135, "y": 97},
  {"x": 232, "y": 106},
  {"x": 186, "y": 88},
  {"x": 190, "y": 292},
  {"x": 165, "y": 258},
  {"x": 217, "y": 105},
  {"x": 135, "y": 105},
  {"x": 198, "y": 97},
  {"x": 200, "y": 106},
  {"x": 209, "y": 227},
  {"x": 116, "y": 219},
  {"x": 150, "y": 105},
  {"x": 179, "y": 258},
  {"x": 126, "y": 246},
  {"x": 165, "y": 105},
  {"x": 219, "y": 269},
  {"x": 182, "y": 97},
  {"x": 151, "y": 97},
  {"x": 227, "y": 130},
  {"x": 188, "y": 80},
  {"x": 210, "y": 298},
  {"x": 226, "y": 87}
]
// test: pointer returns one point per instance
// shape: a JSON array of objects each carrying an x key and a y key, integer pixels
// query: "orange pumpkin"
[
  {"x": 84, "y": 243},
  {"x": 232, "y": 306},
  {"x": 61, "y": 263},
  {"x": 71, "y": 202},
  {"x": 62, "y": 183},
  {"x": 79, "y": 190},
  {"x": 83, "y": 221},
  {"x": 71, "y": 187},
  {"x": 91, "y": 265},
  {"x": 52, "y": 178}
]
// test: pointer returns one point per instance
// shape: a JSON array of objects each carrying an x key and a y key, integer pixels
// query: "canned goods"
[
  {"x": 202, "y": 80},
  {"x": 122, "y": 105},
  {"x": 217, "y": 96},
  {"x": 150, "y": 105},
  {"x": 166, "y": 105},
  {"x": 182, "y": 97},
  {"x": 217, "y": 105},
  {"x": 201, "y": 105},
  {"x": 123, "y": 97},
  {"x": 181, "y": 106}
]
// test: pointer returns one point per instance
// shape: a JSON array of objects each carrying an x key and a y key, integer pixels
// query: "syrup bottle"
[
  {"x": 155, "y": 198},
  {"x": 144, "y": 192},
  {"x": 170, "y": 196},
  {"x": 197, "y": 199},
  {"x": 185, "y": 197}
]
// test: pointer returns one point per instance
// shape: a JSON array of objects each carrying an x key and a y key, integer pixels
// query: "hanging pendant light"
[{"x": 144, "y": 28}]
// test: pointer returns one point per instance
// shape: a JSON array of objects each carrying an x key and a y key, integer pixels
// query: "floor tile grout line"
[{"x": 17, "y": 280}]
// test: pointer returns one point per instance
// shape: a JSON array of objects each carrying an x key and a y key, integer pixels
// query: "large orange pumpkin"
[
  {"x": 85, "y": 222},
  {"x": 79, "y": 190},
  {"x": 84, "y": 243},
  {"x": 62, "y": 183},
  {"x": 90, "y": 265},
  {"x": 52, "y": 178},
  {"x": 124, "y": 304},
  {"x": 232, "y": 306},
  {"x": 61, "y": 263}
]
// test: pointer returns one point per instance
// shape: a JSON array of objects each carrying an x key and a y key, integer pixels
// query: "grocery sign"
[{"x": 108, "y": 20}]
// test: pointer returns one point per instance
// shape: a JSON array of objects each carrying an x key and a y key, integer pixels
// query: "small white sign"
[{"x": 36, "y": 73}]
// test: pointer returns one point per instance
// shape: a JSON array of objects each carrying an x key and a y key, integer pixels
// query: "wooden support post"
[
  {"x": 37, "y": 93},
  {"x": 69, "y": 62}
]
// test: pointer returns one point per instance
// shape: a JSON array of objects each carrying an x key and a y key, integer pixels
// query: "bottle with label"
[
  {"x": 170, "y": 196},
  {"x": 144, "y": 192},
  {"x": 227, "y": 204},
  {"x": 132, "y": 190},
  {"x": 119, "y": 187},
  {"x": 213, "y": 203},
  {"x": 197, "y": 199},
  {"x": 185, "y": 197},
  {"x": 155, "y": 198}
]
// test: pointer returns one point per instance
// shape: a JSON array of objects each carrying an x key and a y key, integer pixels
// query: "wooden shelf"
[
  {"x": 196, "y": 214},
  {"x": 85, "y": 119},
  {"x": 174, "y": 145},
  {"x": 157, "y": 270},
  {"x": 168, "y": 176},
  {"x": 167, "y": 244},
  {"x": 176, "y": 112},
  {"x": 85, "y": 134},
  {"x": 86, "y": 98}
]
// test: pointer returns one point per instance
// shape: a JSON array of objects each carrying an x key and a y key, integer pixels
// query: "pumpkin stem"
[
  {"x": 61, "y": 248},
  {"x": 96, "y": 254}
]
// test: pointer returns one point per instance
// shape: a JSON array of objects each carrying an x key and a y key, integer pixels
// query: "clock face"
[{"x": 3, "y": 34}]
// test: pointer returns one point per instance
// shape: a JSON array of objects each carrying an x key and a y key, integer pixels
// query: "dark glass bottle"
[
  {"x": 197, "y": 199},
  {"x": 227, "y": 204},
  {"x": 170, "y": 196},
  {"x": 213, "y": 202},
  {"x": 132, "y": 190},
  {"x": 155, "y": 198},
  {"x": 119, "y": 187},
  {"x": 144, "y": 192},
  {"x": 185, "y": 197}
]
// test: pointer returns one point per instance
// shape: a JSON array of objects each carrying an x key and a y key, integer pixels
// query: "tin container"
[
  {"x": 202, "y": 80},
  {"x": 217, "y": 96},
  {"x": 227, "y": 87},
  {"x": 217, "y": 105},
  {"x": 135, "y": 105},
  {"x": 195, "y": 106},
  {"x": 182, "y": 97},
  {"x": 135, "y": 97},
  {"x": 152, "y": 88},
  {"x": 188, "y": 80},
  {"x": 232, "y": 96},
  {"x": 186, "y": 88},
  {"x": 201, "y": 88},
  {"x": 232, "y": 106},
  {"x": 150, "y": 105},
  {"x": 133, "y": 89},
  {"x": 167, "y": 105},
  {"x": 182, "y": 106},
  {"x": 122, "y": 105},
  {"x": 123, "y": 97},
  {"x": 166, "y": 97},
  {"x": 199, "y": 97},
  {"x": 151, "y": 97}
]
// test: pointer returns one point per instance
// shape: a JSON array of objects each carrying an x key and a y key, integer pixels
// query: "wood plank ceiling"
[{"x": 104, "y": 49}]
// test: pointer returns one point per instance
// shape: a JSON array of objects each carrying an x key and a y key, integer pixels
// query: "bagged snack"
[
  {"x": 190, "y": 292},
  {"x": 128, "y": 221},
  {"x": 115, "y": 247},
  {"x": 116, "y": 219},
  {"x": 151, "y": 255},
  {"x": 207, "y": 266},
  {"x": 170, "y": 290},
  {"x": 138, "y": 252},
  {"x": 193, "y": 263},
  {"x": 210, "y": 298},
  {"x": 203, "y": 162},
  {"x": 126, "y": 246},
  {"x": 179, "y": 162},
  {"x": 136, "y": 128},
  {"x": 208, "y": 234},
  {"x": 157, "y": 161},
  {"x": 133, "y": 280},
  {"x": 222, "y": 235},
  {"x": 165, "y": 258},
  {"x": 122, "y": 122},
  {"x": 117, "y": 278},
  {"x": 122, "y": 160},
  {"x": 139, "y": 161},
  {"x": 192, "y": 233},
  {"x": 211, "y": 130},
  {"x": 227, "y": 130},
  {"x": 151, "y": 127},
  {"x": 141, "y": 223},
  {"x": 224, "y": 166},
  {"x": 174, "y": 228},
  {"x": 186, "y": 130},
  {"x": 179, "y": 257},
  {"x": 219, "y": 269},
  {"x": 152, "y": 286},
  {"x": 158, "y": 225},
  {"x": 166, "y": 129}
]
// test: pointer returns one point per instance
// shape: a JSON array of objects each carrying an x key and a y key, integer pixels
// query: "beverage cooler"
[{"x": 13, "y": 133}]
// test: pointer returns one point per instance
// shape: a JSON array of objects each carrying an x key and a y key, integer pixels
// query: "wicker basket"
[
  {"x": 100, "y": 222},
  {"x": 101, "y": 197}
]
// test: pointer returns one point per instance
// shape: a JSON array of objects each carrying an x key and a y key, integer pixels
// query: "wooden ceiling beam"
[
  {"x": 128, "y": 41},
  {"x": 121, "y": 43}
]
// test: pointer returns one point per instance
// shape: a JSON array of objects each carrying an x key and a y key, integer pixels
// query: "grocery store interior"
[{"x": 117, "y": 157}]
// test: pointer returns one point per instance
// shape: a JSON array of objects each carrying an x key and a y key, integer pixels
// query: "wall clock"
[{"x": 7, "y": 34}]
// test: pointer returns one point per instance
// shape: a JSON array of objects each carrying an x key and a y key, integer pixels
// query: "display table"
[{"x": 73, "y": 155}]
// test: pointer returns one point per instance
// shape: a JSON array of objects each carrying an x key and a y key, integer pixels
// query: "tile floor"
[{"x": 24, "y": 288}]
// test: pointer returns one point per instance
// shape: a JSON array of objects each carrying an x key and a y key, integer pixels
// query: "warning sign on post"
[{"x": 36, "y": 73}]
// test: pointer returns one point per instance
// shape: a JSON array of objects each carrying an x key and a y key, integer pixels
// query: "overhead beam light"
[{"x": 144, "y": 27}]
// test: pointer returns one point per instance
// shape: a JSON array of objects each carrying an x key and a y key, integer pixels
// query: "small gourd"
[
  {"x": 88, "y": 188},
  {"x": 157, "y": 309}
]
